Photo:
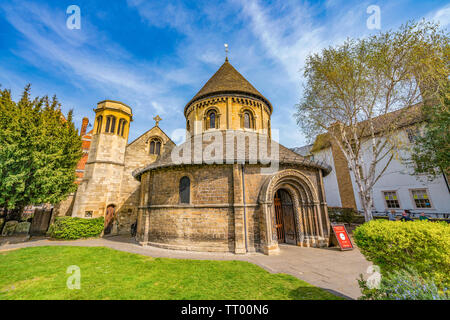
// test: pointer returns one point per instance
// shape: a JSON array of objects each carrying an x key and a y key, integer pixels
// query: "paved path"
[{"x": 327, "y": 268}]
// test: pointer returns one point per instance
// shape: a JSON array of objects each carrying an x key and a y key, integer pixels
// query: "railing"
[{"x": 413, "y": 214}]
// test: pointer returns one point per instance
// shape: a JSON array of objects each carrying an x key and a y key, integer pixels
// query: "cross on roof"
[
  {"x": 226, "y": 51},
  {"x": 157, "y": 120}
]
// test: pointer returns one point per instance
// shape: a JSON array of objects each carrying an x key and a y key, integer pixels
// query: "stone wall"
[
  {"x": 343, "y": 178},
  {"x": 192, "y": 228},
  {"x": 108, "y": 176},
  {"x": 230, "y": 112},
  {"x": 214, "y": 218},
  {"x": 65, "y": 207},
  {"x": 137, "y": 155}
]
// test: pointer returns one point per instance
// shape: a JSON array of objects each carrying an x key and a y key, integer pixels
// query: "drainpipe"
[
  {"x": 445, "y": 179},
  {"x": 245, "y": 208}
]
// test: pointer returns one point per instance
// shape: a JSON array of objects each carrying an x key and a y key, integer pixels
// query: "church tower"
[
  {"x": 228, "y": 102},
  {"x": 99, "y": 190}
]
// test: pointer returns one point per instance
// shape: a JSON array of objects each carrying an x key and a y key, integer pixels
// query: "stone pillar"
[
  {"x": 144, "y": 213},
  {"x": 324, "y": 207},
  {"x": 319, "y": 219},
  {"x": 228, "y": 112},
  {"x": 238, "y": 208},
  {"x": 271, "y": 246}
]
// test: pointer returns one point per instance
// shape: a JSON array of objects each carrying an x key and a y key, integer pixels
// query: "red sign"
[{"x": 342, "y": 237}]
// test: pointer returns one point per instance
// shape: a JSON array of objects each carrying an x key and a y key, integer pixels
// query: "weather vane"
[
  {"x": 226, "y": 51},
  {"x": 157, "y": 120}
]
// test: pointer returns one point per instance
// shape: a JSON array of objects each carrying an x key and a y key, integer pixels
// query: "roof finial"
[
  {"x": 226, "y": 51},
  {"x": 157, "y": 120}
]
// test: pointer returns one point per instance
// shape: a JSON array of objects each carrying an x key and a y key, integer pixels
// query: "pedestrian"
[
  {"x": 391, "y": 215},
  {"x": 405, "y": 216},
  {"x": 423, "y": 217}
]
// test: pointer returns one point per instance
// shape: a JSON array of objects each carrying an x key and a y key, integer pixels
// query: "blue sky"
[{"x": 155, "y": 55}]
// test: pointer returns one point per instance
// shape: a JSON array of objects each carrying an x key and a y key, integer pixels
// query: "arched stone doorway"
[
  {"x": 109, "y": 219},
  {"x": 284, "y": 217},
  {"x": 310, "y": 214}
]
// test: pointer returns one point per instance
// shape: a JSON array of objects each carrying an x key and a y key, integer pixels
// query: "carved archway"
[{"x": 307, "y": 210}]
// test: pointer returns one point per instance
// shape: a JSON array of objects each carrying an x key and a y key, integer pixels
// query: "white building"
[{"x": 397, "y": 188}]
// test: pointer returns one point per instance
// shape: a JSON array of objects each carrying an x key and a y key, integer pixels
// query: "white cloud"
[
  {"x": 268, "y": 45},
  {"x": 442, "y": 16}
]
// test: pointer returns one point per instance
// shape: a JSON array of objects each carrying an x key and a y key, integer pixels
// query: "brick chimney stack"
[{"x": 84, "y": 125}]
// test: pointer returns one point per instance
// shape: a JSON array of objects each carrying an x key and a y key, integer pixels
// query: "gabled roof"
[
  {"x": 227, "y": 80},
  {"x": 397, "y": 119},
  {"x": 157, "y": 127}
]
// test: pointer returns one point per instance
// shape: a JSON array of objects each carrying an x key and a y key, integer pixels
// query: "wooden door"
[
  {"x": 109, "y": 219},
  {"x": 40, "y": 222},
  {"x": 279, "y": 218},
  {"x": 288, "y": 217}
]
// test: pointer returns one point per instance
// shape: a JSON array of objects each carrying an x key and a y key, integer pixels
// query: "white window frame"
[
  {"x": 398, "y": 199},
  {"x": 414, "y": 202}
]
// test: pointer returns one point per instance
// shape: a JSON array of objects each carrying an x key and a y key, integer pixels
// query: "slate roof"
[
  {"x": 397, "y": 119},
  {"x": 231, "y": 152},
  {"x": 227, "y": 80},
  {"x": 304, "y": 150}
]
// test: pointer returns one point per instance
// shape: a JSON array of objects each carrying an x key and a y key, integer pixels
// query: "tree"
[
  {"x": 351, "y": 92},
  {"x": 431, "y": 152},
  {"x": 39, "y": 151}
]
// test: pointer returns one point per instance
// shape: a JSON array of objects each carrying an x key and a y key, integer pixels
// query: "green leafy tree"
[
  {"x": 353, "y": 90},
  {"x": 431, "y": 152},
  {"x": 39, "y": 151}
]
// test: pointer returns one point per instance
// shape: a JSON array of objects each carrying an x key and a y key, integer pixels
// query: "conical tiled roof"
[
  {"x": 227, "y": 80},
  {"x": 231, "y": 152}
]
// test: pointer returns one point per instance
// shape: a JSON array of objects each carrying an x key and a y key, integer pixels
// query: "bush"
[
  {"x": 394, "y": 245},
  {"x": 75, "y": 228},
  {"x": 403, "y": 285}
]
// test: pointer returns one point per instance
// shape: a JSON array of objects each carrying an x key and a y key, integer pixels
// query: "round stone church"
[{"x": 229, "y": 187}]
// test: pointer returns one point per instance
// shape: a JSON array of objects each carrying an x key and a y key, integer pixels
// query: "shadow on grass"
[{"x": 316, "y": 293}]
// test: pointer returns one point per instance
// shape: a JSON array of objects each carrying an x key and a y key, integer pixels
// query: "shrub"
[
  {"x": 75, "y": 228},
  {"x": 403, "y": 285},
  {"x": 394, "y": 245}
]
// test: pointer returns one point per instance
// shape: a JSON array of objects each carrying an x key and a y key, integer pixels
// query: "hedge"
[
  {"x": 75, "y": 228},
  {"x": 394, "y": 245}
]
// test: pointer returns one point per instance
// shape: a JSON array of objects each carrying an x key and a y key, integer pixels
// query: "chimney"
[{"x": 84, "y": 125}]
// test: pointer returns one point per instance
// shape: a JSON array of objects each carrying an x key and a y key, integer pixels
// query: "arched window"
[
  {"x": 110, "y": 124},
  {"x": 155, "y": 146},
  {"x": 99, "y": 124},
  {"x": 247, "y": 120},
  {"x": 121, "y": 128},
  {"x": 188, "y": 126},
  {"x": 185, "y": 190},
  {"x": 212, "y": 120}
]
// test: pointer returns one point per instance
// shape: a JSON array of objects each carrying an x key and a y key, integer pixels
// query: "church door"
[
  {"x": 284, "y": 217},
  {"x": 109, "y": 219}
]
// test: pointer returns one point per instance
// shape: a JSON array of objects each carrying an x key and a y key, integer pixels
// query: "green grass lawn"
[{"x": 40, "y": 273}]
